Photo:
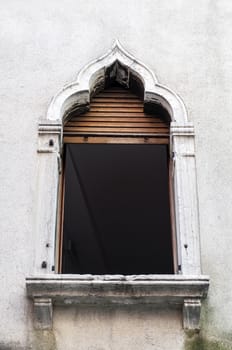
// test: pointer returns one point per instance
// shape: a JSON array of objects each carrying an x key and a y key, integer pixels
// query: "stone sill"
[{"x": 184, "y": 290}]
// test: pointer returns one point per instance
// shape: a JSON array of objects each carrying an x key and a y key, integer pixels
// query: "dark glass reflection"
[{"x": 116, "y": 211}]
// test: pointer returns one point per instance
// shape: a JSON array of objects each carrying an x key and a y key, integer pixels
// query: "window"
[
  {"x": 116, "y": 190},
  {"x": 186, "y": 286}
]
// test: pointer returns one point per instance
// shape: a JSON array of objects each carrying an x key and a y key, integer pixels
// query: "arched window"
[
  {"x": 116, "y": 205},
  {"x": 91, "y": 153}
]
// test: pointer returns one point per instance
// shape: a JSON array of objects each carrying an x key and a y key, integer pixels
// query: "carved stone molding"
[{"x": 122, "y": 66}]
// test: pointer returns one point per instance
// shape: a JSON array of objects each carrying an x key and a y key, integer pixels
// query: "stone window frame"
[{"x": 47, "y": 288}]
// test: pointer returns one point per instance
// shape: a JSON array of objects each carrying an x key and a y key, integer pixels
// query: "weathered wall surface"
[
  {"x": 43, "y": 45},
  {"x": 140, "y": 327}
]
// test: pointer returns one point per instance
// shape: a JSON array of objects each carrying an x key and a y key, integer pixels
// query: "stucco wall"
[{"x": 43, "y": 45}]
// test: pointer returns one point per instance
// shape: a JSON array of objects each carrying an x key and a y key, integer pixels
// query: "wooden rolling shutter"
[{"x": 116, "y": 115}]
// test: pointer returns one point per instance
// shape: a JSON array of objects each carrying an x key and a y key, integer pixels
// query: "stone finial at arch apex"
[{"x": 121, "y": 66}]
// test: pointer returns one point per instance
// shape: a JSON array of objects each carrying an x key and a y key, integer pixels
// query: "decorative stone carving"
[{"x": 123, "y": 66}]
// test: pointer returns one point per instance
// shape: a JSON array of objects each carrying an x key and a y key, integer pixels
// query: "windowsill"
[{"x": 58, "y": 289}]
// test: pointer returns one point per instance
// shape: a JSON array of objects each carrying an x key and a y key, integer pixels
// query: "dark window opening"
[{"x": 116, "y": 210}]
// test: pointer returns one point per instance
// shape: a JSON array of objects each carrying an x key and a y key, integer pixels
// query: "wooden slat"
[
  {"x": 116, "y": 140},
  {"x": 116, "y": 89},
  {"x": 117, "y": 110},
  {"x": 119, "y": 118},
  {"x": 156, "y": 121},
  {"x": 116, "y": 116},
  {"x": 115, "y": 129},
  {"x": 114, "y": 99},
  {"x": 107, "y": 123},
  {"x": 115, "y": 95},
  {"x": 116, "y": 104}
]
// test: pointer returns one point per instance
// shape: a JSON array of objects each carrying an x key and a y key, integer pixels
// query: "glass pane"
[{"x": 116, "y": 214}]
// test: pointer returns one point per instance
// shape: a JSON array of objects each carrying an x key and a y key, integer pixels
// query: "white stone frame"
[{"x": 77, "y": 96}]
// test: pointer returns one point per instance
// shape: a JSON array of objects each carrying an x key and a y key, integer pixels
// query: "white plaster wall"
[
  {"x": 103, "y": 328},
  {"x": 43, "y": 44}
]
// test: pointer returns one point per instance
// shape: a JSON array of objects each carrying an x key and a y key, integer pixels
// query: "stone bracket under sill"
[{"x": 184, "y": 290}]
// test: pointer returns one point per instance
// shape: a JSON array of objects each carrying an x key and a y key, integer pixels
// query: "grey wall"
[{"x": 43, "y": 44}]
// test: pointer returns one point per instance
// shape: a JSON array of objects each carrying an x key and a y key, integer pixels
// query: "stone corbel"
[
  {"x": 191, "y": 314},
  {"x": 43, "y": 312}
]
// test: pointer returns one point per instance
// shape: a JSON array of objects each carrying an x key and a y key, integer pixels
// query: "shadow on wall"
[
  {"x": 197, "y": 342},
  {"x": 41, "y": 340}
]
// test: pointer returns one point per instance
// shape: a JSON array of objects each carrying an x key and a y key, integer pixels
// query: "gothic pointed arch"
[{"x": 117, "y": 64}]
